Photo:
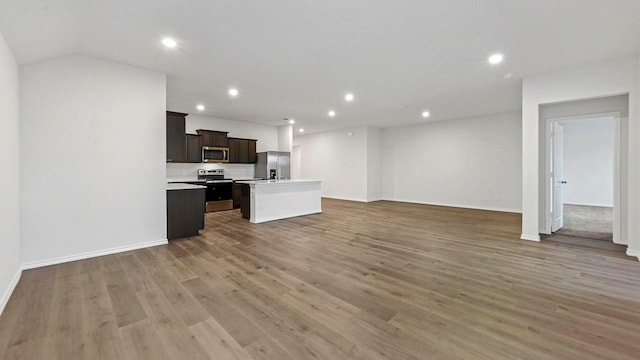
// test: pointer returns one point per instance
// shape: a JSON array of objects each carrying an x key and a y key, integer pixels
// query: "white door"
[{"x": 557, "y": 178}]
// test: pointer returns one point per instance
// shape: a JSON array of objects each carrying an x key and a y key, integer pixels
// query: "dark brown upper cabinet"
[
  {"x": 214, "y": 138},
  {"x": 252, "y": 152},
  {"x": 234, "y": 156},
  {"x": 194, "y": 148},
  {"x": 176, "y": 140},
  {"x": 242, "y": 151}
]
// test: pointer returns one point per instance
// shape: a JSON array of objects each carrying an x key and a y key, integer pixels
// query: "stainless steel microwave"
[{"x": 212, "y": 154}]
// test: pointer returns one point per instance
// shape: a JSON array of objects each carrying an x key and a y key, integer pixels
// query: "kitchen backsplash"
[{"x": 233, "y": 171}]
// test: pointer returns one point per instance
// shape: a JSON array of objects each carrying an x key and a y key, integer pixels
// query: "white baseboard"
[
  {"x": 90, "y": 254},
  {"x": 590, "y": 204},
  {"x": 344, "y": 198},
  {"x": 635, "y": 253},
  {"x": 12, "y": 286},
  {"x": 621, "y": 241},
  {"x": 535, "y": 237},
  {"x": 487, "y": 208}
]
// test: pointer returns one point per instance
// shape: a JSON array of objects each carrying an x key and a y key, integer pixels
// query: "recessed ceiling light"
[
  {"x": 233, "y": 92},
  {"x": 292, "y": 121},
  {"x": 332, "y": 113},
  {"x": 508, "y": 75},
  {"x": 169, "y": 42},
  {"x": 425, "y": 114},
  {"x": 496, "y": 59},
  {"x": 301, "y": 130},
  {"x": 200, "y": 107},
  {"x": 349, "y": 97}
]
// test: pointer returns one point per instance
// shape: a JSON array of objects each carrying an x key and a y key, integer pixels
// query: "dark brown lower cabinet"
[
  {"x": 237, "y": 194},
  {"x": 245, "y": 200},
  {"x": 185, "y": 212}
]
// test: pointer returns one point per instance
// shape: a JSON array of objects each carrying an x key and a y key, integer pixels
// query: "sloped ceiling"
[{"x": 298, "y": 58}]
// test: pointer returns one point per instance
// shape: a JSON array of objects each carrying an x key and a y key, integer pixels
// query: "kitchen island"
[
  {"x": 185, "y": 210},
  {"x": 268, "y": 200}
]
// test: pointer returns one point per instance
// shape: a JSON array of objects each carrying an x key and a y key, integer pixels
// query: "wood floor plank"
[
  {"x": 235, "y": 323},
  {"x": 100, "y": 328},
  {"x": 125, "y": 303},
  {"x": 37, "y": 286},
  {"x": 217, "y": 342},
  {"x": 65, "y": 323},
  {"x": 141, "y": 341},
  {"x": 170, "y": 328},
  {"x": 381, "y": 280}
]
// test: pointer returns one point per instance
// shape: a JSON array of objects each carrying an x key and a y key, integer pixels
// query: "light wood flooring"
[{"x": 381, "y": 280}]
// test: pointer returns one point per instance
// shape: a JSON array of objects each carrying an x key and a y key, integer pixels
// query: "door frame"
[
  {"x": 556, "y": 129},
  {"x": 548, "y": 220}
]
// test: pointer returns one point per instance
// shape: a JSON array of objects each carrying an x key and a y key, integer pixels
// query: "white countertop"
[
  {"x": 179, "y": 186},
  {"x": 274, "y": 182}
]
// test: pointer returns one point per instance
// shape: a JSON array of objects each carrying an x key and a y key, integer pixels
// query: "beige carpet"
[{"x": 593, "y": 222}]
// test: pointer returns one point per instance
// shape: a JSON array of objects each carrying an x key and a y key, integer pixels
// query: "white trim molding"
[
  {"x": 91, "y": 254},
  {"x": 635, "y": 253},
  {"x": 535, "y": 238},
  {"x": 472, "y": 207},
  {"x": 7, "y": 294},
  {"x": 589, "y": 204},
  {"x": 621, "y": 241},
  {"x": 344, "y": 198}
]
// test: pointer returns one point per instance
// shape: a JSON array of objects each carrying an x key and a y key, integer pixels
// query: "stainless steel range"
[{"x": 219, "y": 189}]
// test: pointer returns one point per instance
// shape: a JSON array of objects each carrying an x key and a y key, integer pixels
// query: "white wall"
[
  {"x": 374, "y": 164},
  {"x": 285, "y": 138},
  {"x": 266, "y": 135},
  {"x": 593, "y": 81},
  {"x": 296, "y": 162},
  {"x": 473, "y": 163},
  {"x": 9, "y": 174},
  {"x": 339, "y": 160},
  {"x": 588, "y": 162},
  {"x": 92, "y": 152}
]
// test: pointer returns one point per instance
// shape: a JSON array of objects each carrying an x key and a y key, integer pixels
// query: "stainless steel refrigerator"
[{"x": 273, "y": 165}]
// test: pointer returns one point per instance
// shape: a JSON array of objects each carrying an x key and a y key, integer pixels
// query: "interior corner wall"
[
  {"x": 9, "y": 174},
  {"x": 374, "y": 163},
  {"x": 586, "y": 82},
  {"x": 92, "y": 155},
  {"x": 471, "y": 163},
  {"x": 338, "y": 159},
  {"x": 285, "y": 138}
]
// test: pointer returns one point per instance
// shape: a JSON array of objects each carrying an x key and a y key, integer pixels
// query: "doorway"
[{"x": 582, "y": 176}]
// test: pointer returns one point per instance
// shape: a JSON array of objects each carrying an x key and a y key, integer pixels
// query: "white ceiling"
[{"x": 297, "y": 58}]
